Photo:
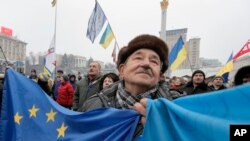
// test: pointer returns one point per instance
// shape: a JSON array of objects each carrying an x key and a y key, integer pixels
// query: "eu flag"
[{"x": 28, "y": 114}]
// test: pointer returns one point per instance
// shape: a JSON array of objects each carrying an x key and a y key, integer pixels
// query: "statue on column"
[{"x": 164, "y": 4}]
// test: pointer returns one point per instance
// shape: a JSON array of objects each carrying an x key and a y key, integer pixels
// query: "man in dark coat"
[
  {"x": 197, "y": 84},
  {"x": 88, "y": 86},
  {"x": 140, "y": 67}
]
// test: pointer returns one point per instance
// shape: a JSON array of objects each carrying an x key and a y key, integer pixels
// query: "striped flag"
[
  {"x": 178, "y": 54},
  {"x": 107, "y": 37},
  {"x": 228, "y": 67},
  {"x": 96, "y": 22}
]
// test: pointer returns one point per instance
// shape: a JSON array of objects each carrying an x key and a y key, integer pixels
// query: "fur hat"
[
  {"x": 198, "y": 71},
  {"x": 148, "y": 42},
  {"x": 241, "y": 73}
]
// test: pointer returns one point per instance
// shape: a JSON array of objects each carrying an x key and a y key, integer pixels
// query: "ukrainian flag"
[
  {"x": 107, "y": 37},
  {"x": 178, "y": 54},
  {"x": 228, "y": 67}
]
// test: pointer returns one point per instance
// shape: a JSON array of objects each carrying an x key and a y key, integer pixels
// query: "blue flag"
[
  {"x": 205, "y": 117},
  {"x": 96, "y": 22},
  {"x": 28, "y": 114}
]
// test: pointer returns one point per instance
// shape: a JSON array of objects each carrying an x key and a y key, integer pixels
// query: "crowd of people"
[{"x": 141, "y": 66}]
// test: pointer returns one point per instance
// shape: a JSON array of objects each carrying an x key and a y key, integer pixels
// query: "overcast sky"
[{"x": 222, "y": 25}]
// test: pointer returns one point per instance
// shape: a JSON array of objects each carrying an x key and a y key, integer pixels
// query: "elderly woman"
[{"x": 108, "y": 79}]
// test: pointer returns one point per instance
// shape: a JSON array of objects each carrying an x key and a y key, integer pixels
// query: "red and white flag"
[
  {"x": 245, "y": 49},
  {"x": 50, "y": 59}
]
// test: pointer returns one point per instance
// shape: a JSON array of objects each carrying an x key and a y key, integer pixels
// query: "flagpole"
[
  {"x": 190, "y": 63},
  {"x": 54, "y": 73}
]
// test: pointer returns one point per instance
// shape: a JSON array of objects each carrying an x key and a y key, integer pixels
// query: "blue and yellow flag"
[
  {"x": 228, "y": 67},
  {"x": 28, "y": 114},
  {"x": 205, "y": 117},
  {"x": 178, "y": 54},
  {"x": 107, "y": 37}
]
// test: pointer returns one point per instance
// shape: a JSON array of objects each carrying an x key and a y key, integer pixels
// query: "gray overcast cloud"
[{"x": 222, "y": 25}]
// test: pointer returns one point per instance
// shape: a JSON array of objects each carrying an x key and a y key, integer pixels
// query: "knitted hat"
[
  {"x": 219, "y": 77},
  {"x": 148, "y": 42},
  {"x": 198, "y": 71}
]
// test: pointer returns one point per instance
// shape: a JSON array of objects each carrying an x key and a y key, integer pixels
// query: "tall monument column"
[{"x": 164, "y": 6}]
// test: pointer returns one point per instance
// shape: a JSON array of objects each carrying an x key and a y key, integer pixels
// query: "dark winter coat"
[
  {"x": 44, "y": 85},
  {"x": 55, "y": 88},
  {"x": 221, "y": 88},
  {"x": 84, "y": 90},
  {"x": 190, "y": 90}
]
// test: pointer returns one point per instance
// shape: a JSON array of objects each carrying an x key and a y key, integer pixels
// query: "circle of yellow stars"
[{"x": 50, "y": 117}]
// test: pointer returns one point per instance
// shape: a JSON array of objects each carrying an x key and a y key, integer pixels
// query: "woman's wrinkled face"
[{"x": 107, "y": 81}]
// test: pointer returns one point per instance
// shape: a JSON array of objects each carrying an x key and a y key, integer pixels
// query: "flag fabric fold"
[
  {"x": 205, "y": 117},
  {"x": 177, "y": 55},
  {"x": 107, "y": 37},
  {"x": 228, "y": 67},
  {"x": 29, "y": 114},
  {"x": 96, "y": 22}
]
